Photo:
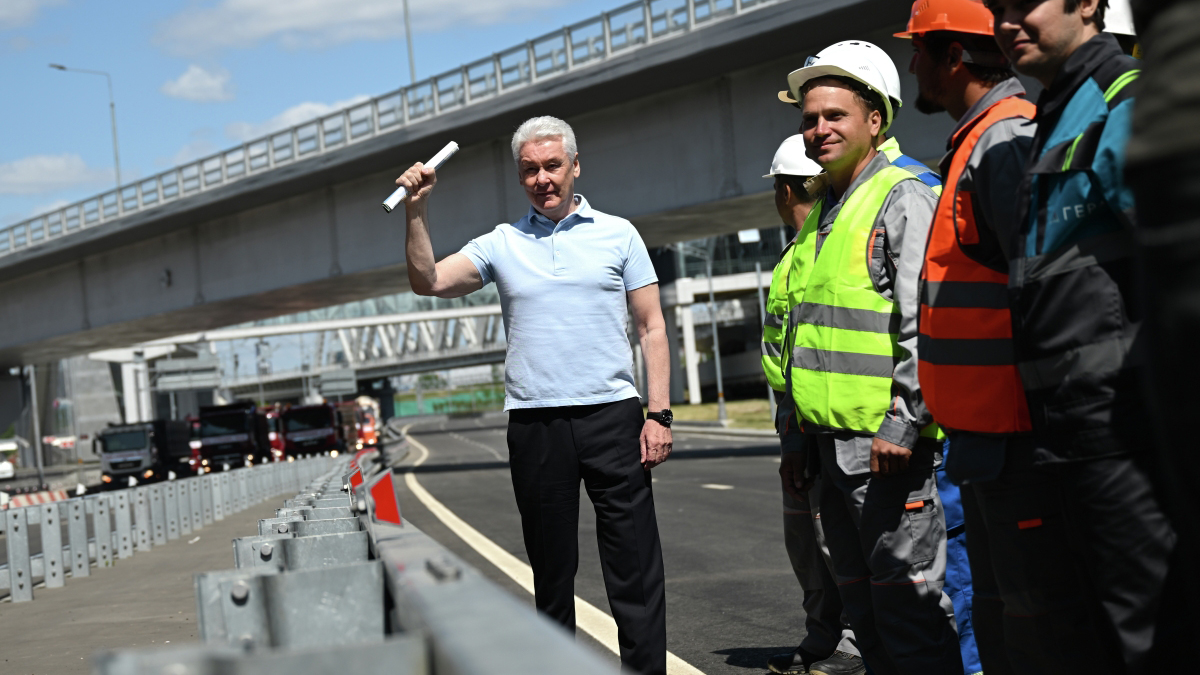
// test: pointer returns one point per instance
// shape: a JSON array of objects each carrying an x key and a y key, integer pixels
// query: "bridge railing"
[
  {"x": 339, "y": 581},
  {"x": 101, "y": 529},
  {"x": 579, "y": 45}
]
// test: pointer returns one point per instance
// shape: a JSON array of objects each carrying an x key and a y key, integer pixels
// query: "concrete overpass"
[{"x": 675, "y": 133}]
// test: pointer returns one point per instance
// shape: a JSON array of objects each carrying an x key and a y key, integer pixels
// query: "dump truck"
[
  {"x": 144, "y": 452},
  {"x": 233, "y": 436}
]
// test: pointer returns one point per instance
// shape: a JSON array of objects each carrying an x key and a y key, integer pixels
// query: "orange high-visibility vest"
[{"x": 966, "y": 364}]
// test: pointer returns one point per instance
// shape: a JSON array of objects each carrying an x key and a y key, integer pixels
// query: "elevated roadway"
[{"x": 674, "y": 134}]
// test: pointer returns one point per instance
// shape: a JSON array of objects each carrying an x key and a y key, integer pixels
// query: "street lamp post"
[
  {"x": 39, "y": 460},
  {"x": 112, "y": 111},
  {"x": 412, "y": 66}
]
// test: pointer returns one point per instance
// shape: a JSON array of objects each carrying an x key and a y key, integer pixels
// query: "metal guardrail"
[
  {"x": 589, "y": 42},
  {"x": 131, "y": 520},
  {"x": 338, "y": 581}
]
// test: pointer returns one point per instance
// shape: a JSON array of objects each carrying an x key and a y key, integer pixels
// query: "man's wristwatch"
[{"x": 663, "y": 417}]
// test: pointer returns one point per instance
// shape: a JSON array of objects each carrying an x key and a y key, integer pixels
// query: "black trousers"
[
  {"x": 550, "y": 450},
  {"x": 1069, "y": 564}
]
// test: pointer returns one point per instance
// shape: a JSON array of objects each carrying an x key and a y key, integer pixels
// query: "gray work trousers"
[
  {"x": 825, "y": 621},
  {"x": 887, "y": 542}
]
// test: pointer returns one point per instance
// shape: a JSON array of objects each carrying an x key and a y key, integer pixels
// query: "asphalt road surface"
[{"x": 731, "y": 597}]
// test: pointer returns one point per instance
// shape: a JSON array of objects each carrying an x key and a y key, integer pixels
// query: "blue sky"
[{"x": 192, "y": 77}]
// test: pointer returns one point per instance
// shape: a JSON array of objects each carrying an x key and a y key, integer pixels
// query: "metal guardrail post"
[
  {"x": 141, "y": 518},
  {"x": 206, "y": 499},
  {"x": 606, "y": 28},
  {"x": 569, "y": 48},
  {"x": 77, "y": 538},
  {"x": 221, "y": 501},
  {"x": 183, "y": 497},
  {"x": 123, "y": 512},
  {"x": 218, "y": 496},
  {"x": 102, "y": 527},
  {"x": 52, "y": 548},
  {"x": 195, "y": 504},
  {"x": 158, "y": 516},
  {"x": 20, "y": 566},
  {"x": 171, "y": 507}
]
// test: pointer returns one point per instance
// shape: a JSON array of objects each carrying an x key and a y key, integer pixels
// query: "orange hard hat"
[{"x": 960, "y": 16}]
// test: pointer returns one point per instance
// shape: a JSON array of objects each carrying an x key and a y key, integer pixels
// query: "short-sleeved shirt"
[{"x": 563, "y": 295}]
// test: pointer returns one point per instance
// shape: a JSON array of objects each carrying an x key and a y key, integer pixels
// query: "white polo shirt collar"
[{"x": 582, "y": 213}]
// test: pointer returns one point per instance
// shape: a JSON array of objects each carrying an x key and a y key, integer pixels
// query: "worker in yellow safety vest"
[
  {"x": 853, "y": 362},
  {"x": 828, "y": 646}
]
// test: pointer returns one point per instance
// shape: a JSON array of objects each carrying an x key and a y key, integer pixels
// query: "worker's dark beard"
[{"x": 929, "y": 107}]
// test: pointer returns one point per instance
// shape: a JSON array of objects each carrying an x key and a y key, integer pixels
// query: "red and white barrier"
[{"x": 45, "y": 497}]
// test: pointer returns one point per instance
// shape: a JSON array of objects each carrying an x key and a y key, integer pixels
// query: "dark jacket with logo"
[{"x": 1075, "y": 315}]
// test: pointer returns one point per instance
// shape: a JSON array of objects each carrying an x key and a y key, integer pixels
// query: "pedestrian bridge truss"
[{"x": 372, "y": 347}]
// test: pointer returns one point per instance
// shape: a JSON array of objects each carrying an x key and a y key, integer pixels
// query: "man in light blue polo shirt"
[{"x": 567, "y": 275}]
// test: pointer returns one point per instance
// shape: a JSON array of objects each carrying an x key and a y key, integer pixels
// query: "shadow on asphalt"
[
  {"x": 751, "y": 657},
  {"x": 678, "y": 455}
]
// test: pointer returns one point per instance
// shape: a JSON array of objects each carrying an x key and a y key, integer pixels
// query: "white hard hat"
[
  {"x": 857, "y": 60},
  {"x": 791, "y": 160},
  {"x": 1118, "y": 18}
]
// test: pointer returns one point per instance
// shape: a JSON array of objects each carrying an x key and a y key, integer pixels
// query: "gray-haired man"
[{"x": 565, "y": 273}]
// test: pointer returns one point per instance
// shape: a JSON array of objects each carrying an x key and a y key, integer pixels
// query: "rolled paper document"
[{"x": 436, "y": 162}]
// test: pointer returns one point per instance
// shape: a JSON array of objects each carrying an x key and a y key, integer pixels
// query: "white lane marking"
[
  {"x": 716, "y": 486},
  {"x": 589, "y": 618},
  {"x": 477, "y": 444}
]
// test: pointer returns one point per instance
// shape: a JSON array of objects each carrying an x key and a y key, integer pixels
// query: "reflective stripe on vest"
[
  {"x": 775, "y": 324},
  {"x": 966, "y": 361},
  {"x": 847, "y": 334},
  {"x": 891, "y": 149}
]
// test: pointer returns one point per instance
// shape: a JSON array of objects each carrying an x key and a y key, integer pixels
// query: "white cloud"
[
  {"x": 40, "y": 174},
  {"x": 297, "y": 114},
  {"x": 198, "y": 84},
  {"x": 16, "y": 13},
  {"x": 315, "y": 24}
]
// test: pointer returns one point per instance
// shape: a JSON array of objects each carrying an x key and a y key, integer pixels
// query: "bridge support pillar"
[
  {"x": 673, "y": 351},
  {"x": 691, "y": 359}
]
